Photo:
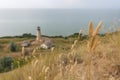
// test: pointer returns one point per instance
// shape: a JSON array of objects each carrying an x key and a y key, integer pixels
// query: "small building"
[
  {"x": 46, "y": 45},
  {"x": 25, "y": 44},
  {"x": 44, "y": 42}
]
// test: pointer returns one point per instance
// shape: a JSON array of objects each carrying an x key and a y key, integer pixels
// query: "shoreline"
[{"x": 30, "y": 35}]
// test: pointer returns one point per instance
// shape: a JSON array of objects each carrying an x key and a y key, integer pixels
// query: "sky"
[{"x": 93, "y": 4}]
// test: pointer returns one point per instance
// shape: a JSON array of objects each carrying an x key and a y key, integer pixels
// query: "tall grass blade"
[{"x": 90, "y": 29}]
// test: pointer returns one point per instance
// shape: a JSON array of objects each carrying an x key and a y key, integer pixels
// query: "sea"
[{"x": 55, "y": 22}]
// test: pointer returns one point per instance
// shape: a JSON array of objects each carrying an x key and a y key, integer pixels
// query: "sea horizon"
[{"x": 55, "y": 22}]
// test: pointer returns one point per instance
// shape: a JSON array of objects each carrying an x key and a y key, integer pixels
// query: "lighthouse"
[{"x": 38, "y": 34}]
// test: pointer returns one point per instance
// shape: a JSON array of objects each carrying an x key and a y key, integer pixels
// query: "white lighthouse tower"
[{"x": 38, "y": 34}]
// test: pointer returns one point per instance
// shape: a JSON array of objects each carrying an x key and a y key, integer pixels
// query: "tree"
[{"x": 12, "y": 47}]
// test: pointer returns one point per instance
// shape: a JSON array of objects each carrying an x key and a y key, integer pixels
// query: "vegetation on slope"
[{"x": 72, "y": 60}]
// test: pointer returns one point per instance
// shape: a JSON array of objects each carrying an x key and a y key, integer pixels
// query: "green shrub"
[
  {"x": 1, "y": 68},
  {"x": 18, "y": 63},
  {"x": 12, "y": 47},
  {"x": 5, "y": 63}
]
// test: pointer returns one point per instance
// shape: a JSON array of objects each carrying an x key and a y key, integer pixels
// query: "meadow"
[{"x": 95, "y": 57}]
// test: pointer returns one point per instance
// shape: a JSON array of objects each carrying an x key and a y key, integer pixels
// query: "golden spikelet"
[
  {"x": 92, "y": 43},
  {"x": 95, "y": 43},
  {"x": 47, "y": 73},
  {"x": 90, "y": 29},
  {"x": 97, "y": 28},
  {"x": 75, "y": 42},
  {"x": 35, "y": 63},
  {"x": 43, "y": 68},
  {"x": 30, "y": 78},
  {"x": 73, "y": 45},
  {"x": 89, "y": 46},
  {"x": 34, "y": 51},
  {"x": 47, "y": 69},
  {"x": 23, "y": 50},
  {"x": 52, "y": 49}
]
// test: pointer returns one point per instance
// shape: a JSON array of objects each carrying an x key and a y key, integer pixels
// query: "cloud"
[
  {"x": 24, "y": 4},
  {"x": 59, "y": 4}
]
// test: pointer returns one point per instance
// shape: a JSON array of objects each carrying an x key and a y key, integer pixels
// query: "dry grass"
[{"x": 77, "y": 63}]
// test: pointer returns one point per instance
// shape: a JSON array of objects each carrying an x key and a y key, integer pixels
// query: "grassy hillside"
[{"x": 72, "y": 60}]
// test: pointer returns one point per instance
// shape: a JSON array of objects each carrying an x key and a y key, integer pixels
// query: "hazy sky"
[{"x": 94, "y": 4}]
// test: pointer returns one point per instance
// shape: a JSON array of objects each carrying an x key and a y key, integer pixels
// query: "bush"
[
  {"x": 12, "y": 47},
  {"x": 18, "y": 63},
  {"x": 1, "y": 68},
  {"x": 65, "y": 37},
  {"x": 29, "y": 35},
  {"x": 5, "y": 64}
]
